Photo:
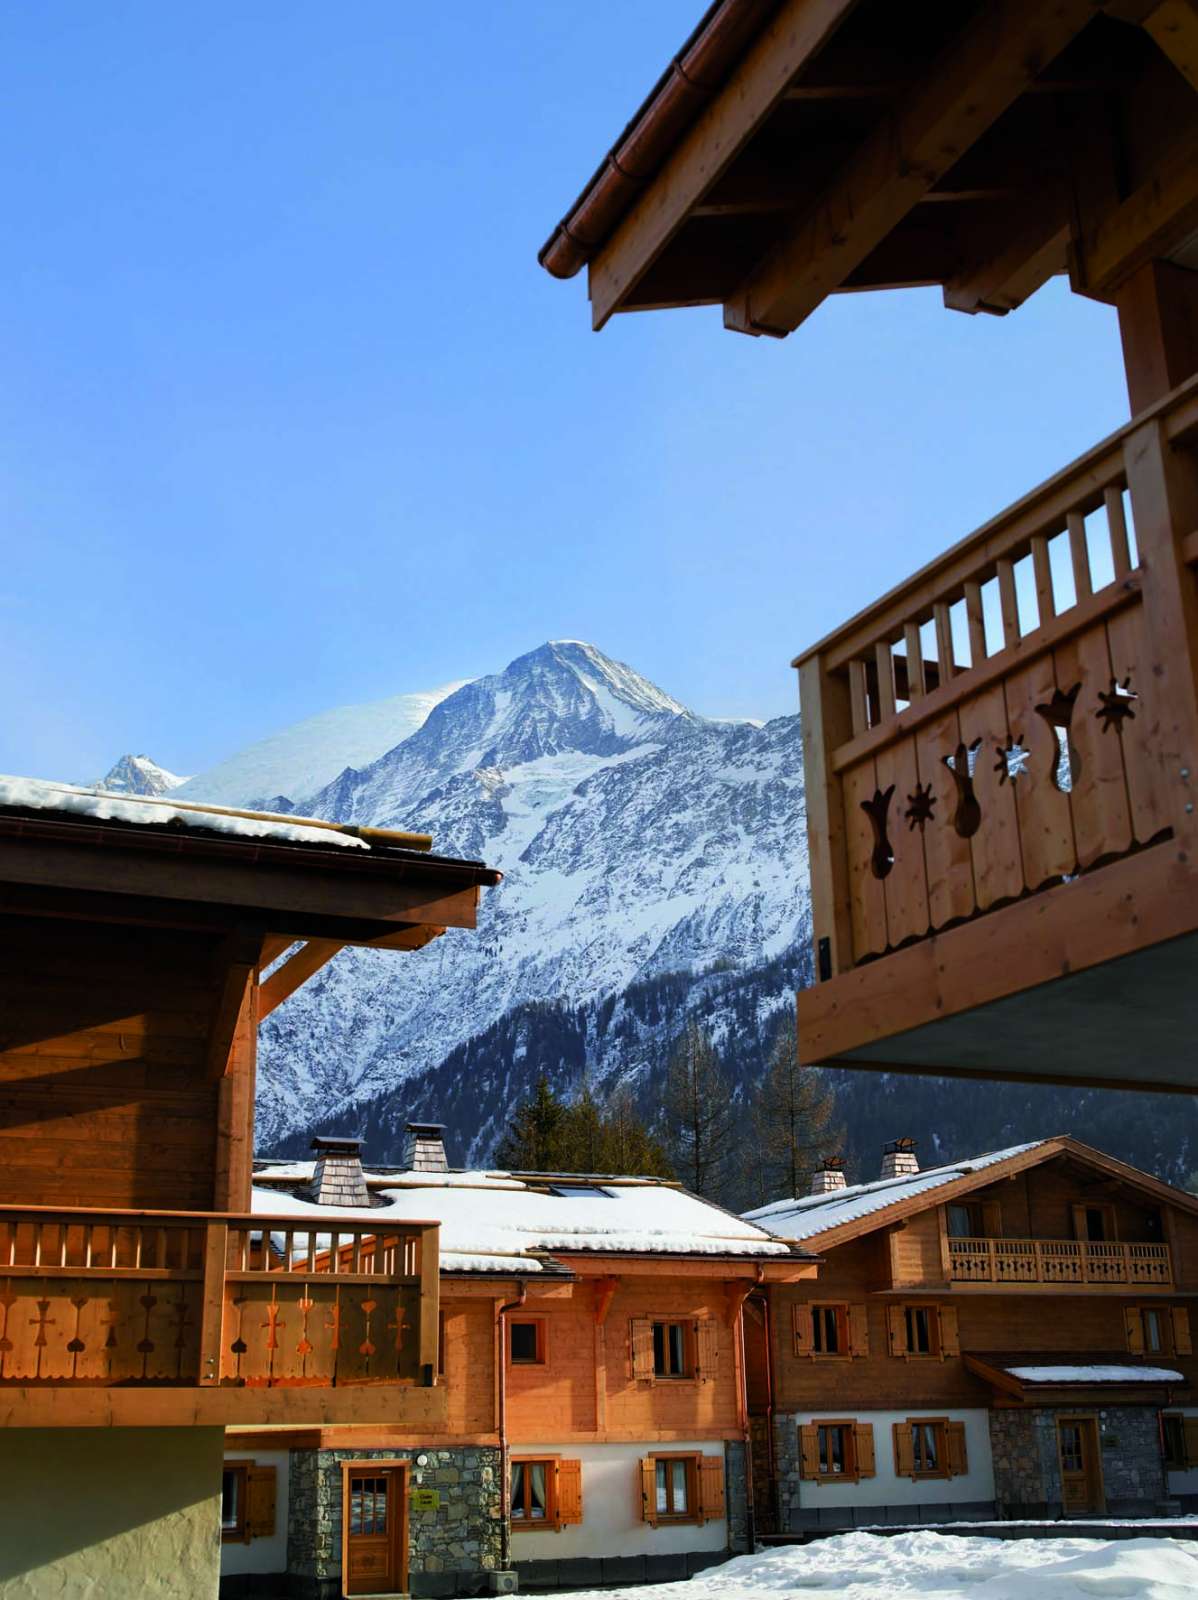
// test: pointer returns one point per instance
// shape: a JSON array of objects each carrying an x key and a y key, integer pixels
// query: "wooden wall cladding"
[{"x": 103, "y": 1095}]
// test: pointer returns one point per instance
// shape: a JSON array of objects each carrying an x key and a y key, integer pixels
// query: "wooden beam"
[
  {"x": 285, "y": 980},
  {"x": 1153, "y": 220},
  {"x": 795, "y": 36},
  {"x": 1158, "y": 326},
  {"x": 1174, "y": 27},
  {"x": 273, "y": 947},
  {"x": 993, "y": 60},
  {"x": 237, "y": 969}
]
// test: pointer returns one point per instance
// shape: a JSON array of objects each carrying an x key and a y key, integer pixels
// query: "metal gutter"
[{"x": 695, "y": 75}]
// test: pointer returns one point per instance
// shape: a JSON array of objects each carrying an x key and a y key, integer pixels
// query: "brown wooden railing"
[
  {"x": 990, "y": 727},
  {"x": 1058, "y": 1261},
  {"x": 125, "y": 1297}
]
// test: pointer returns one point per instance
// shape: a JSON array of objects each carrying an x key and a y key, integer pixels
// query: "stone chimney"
[
  {"x": 338, "y": 1179},
  {"x": 424, "y": 1147},
  {"x": 899, "y": 1159},
  {"x": 829, "y": 1177}
]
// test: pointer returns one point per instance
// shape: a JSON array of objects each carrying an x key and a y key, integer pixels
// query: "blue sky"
[{"x": 290, "y": 417}]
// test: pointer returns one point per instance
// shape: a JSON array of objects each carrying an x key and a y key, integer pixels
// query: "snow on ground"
[{"x": 935, "y": 1566}]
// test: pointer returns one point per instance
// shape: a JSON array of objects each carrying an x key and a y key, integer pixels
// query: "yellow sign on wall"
[{"x": 426, "y": 1499}]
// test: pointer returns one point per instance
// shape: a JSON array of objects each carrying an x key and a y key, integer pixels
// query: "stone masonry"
[
  {"x": 449, "y": 1551},
  {"x": 1027, "y": 1469}
]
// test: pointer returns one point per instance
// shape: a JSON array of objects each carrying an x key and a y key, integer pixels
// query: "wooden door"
[
  {"x": 374, "y": 1525},
  {"x": 1081, "y": 1466}
]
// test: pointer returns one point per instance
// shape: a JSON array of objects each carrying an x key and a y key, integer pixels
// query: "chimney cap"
[
  {"x": 343, "y": 1144},
  {"x": 431, "y": 1129},
  {"x": 895, "y": 1145},
  {"x": 832, "y": 1164}
]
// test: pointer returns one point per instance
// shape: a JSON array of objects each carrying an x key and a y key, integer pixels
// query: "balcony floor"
[{"x": 1130, "y": 1023}]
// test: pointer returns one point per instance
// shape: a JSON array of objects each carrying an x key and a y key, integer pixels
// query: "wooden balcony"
[
  {"x": 1059, "y": 1261},
  {"x": 1001, "y": 761},
  {"x": 169, "y": 1316}
]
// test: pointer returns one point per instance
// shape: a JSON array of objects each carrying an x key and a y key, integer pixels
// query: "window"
[
  {"x": 1154, "y": 1330},
  {"x": 682, "y": 1488},
  {"x": 831, "y": 1330},
  {"x": 964, "y": 1221},
  {"x": 1179, "y": 1441},
  {"x": 1158, "y": 1330},
  {"x": 546, "y": 1492},
  {"x": 923, "y": 1330},
  {"x": 247, "y": 1502},
  {"x": 232, "y": 1502},
  {"x": 1094, "y": 1223},
  {"x": 580, "y": 1191},
  {"x": 526, "y": 1342},
  {"x": 368, "y": 1504},
  {"x": 670, "y": 1350},
  {"x": 671, "y": 1357},
  {"x": 836, "y": 1451},
  {"x": 930, "y": 1447}
]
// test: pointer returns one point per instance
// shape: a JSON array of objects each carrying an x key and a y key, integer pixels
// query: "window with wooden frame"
[
  {"x": 930, "y": 1447},
  {"x": 1094, "y": 1223},
  {"x": 527, "y": 1342},
  {"x": 682, "y": 1487},
  {"x": 974, "y": 1219},
  {"x": 923, "y": 1330},
  {"x": 836, "y": 1450},
  {"x": 546, "y": 1492},
  {"x": 667, "y": 1350},
  {"x": 831, "y": 1330},
  {"x": 247, "y": 1502},
  {"x": 1157, "y": 1330},
  {"x": 1179, "y": 1441}
]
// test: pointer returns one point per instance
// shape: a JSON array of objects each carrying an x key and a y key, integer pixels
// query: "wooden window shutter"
[
  {"x": 569, "y": 1492},
  {"x": 260, "y": 1502},
  {"x": 863, "y": 1449},
  {"x": 896, "y": 1324},
  {"x": 958, "y": 1459},
  {"x": 904, "y": 1450},
  {"x": 711, "y": 1487},
  {"x": 950, "y": 1339},
  {"x": 804, "y": 1332},
  {"x": 859, "y": 1330},
  {"x": 1189, "y": 1428},
  {"x": 707, "y": 1348},
  {"x": 1134, "y": 1325},
  {"x": 642, "y": 1347},
  {"x": 1080, "y": 1231},
  {"x": 649, "y": 1490},
  {"x": 992, "y": 1219},
  {"x": 1183, "y": 1345},
  {"x": 809, "y": 1451}
]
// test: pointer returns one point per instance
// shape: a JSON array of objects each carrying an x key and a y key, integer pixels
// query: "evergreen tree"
[
  {"x": 629, "y": 1148},
  {"x": 700, "y": 1117},
  {"x": 533, "y": 1139},
  {"x": 792, "y": 1117},
  {"x": 547, "y": 1134}
]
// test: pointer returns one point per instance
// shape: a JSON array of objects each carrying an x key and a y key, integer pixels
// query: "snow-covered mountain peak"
[{"x": 139, "y": 775}]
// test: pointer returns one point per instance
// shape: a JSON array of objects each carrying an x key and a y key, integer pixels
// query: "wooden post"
[
  {"x": 430, "y": 1295},
  {"x": 234, "y": 1163},
  {"x": 1158, "y": 324},
  {"x": 212, "y": 1316},
  {"x": 826, "y": 714}
]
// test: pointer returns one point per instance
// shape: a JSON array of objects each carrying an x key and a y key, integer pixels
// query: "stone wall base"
[
  {"x": 595, "y": 1572},
  {"x": 809, "y": 1520}
]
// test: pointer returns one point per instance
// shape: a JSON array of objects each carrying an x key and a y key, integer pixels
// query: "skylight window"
[{"x": 583, "y": 1191}]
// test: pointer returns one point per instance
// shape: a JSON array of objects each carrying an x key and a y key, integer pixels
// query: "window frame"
[
  {"x": 523, "y": 1523},
  {"x": 692, "y": 1513},
  {"x": 847, "y": 1426},
  {"x": 541, "y": 1336},
  {"x": 689, "y": 1352},
  {"x": 973, "y": 1210},
  {"x": 238, "y": 1532},
  {"x": 942, "y": 1469},
  {"x": 1173, "y": 1463},
  {"x": 844, "y": 1341},
  {"x": 931, "y": 1310}
]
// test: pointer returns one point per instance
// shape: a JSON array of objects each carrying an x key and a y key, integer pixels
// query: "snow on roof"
[
  {"x": 499, "y": 1222},
  {"x": 34, "y": 794},
  {"x": 808, "y": 1215},
  {"x": 1099, "y": 1373}
]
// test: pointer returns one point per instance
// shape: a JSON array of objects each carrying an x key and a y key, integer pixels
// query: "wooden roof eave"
[{"x": 1068, "y": 1393}]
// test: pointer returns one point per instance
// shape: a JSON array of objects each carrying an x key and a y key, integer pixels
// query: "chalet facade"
[
  {"x": 140, "y": 942},
  {"x": 591, "y": 1362},
  {"x": 1011, "y": 1336},
  {"x": 1001, "y": 753}
]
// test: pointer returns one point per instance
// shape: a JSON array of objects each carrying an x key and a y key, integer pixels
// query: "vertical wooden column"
[
  {"x": 1163, "y": 483},
  {"x": 826, "y": 712},
  {"x": 430, "y": 1300},
  {"x": 1158, "y": 324},
  {"x": 216, "y": 1248},
  {"x": 234, "y": 1159}
]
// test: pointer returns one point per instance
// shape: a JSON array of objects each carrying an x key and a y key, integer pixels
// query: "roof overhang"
[{"x": 1071, "y": 1388}]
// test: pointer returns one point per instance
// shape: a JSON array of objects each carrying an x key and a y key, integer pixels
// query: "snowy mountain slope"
[
  {"x": 139, "y": 775},
  {"x": 636, "y": 839},
  {"x": 303, "y": 757}
]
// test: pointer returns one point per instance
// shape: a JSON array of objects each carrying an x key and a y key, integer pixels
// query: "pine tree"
[
  {"x": 628, "y": 1146},
  {"x": 533, "y": 1139},
  {"x": 700, "y": 1117},
  {"x": 547, "y": 1134},
  {"x": 793, "y": 1119}
]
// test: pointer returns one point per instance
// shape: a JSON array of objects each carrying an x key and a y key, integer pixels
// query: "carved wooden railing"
[
  {"x": 989, "y": 728},
  {"x": 133, "y": 1297},
  {"x": 1058, "y": 1261}
]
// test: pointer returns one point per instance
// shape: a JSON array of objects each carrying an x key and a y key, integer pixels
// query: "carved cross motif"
[
  {"x": 366, "y": 1348},
  {"x": 272, "y": 1324},
  {"x": 304, "y": 1344},
  {"x": 967, "y": 818},
  {"x": 399, "y": 1327},
  {"x": 1116, "y": 705},
  {"x": 920, "y": 808},
  {"x": 41, "y": 1322},
  {"x": 882, "y": 858}
]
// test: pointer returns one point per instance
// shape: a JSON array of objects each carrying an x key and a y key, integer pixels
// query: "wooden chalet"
[
  {"x": 141, "y": 944},
  {"x": 591, "y": 1361},
  {"x": 1001, "y": 753},
  {"x": 1010, "y": 1336}
]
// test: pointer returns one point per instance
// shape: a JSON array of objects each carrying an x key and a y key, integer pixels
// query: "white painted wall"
[
  {"x": 1184, "y": 1482},
  {"x": 262, "y": 1555},
  {"x": 611, "y": 1508},
  {"x": 886, "y": 1488}
]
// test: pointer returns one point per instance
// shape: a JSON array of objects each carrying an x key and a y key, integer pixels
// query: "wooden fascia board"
[
  {"x": 994, "y": 1376},
  {"x": 718, "y": 1268},
  {"x": 1165, "y": 1193},
  {"x": 76, "y": 1407},
  {"x": 792, "y": 39},
  {"x": 965, "y": 91},
  {"x": 1173, "y": 27}
]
